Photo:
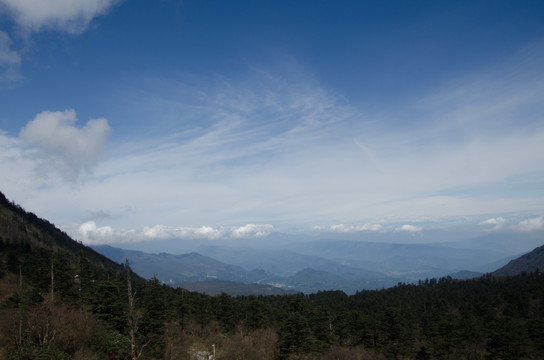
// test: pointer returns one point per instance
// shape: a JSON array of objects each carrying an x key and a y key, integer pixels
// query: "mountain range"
[
  {"x": 61, "y": 299},
  {"x": 257, "y": 270},
  {"x": 302, "y": 267},
  {"x": 186, "y": 270}
]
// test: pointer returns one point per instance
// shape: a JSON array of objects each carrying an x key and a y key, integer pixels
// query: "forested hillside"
[
  {"x": 529, "y": 262},
  {"x": 60, "y": 300}
]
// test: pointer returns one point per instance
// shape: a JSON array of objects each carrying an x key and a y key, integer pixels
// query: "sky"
[{"x": 127, "y": 121}]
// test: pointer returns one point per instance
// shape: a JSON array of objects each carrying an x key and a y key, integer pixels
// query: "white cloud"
[
  {"x": 72, "y": 16},
  {"x": 355, "y": 228},
  {"x": 409, "y": 228},
  {"x": 60, "y": 143},
  {"x": 90, "y": 233},
  {"x": 251, "y": 230},
  {"x": 494, "y": 224},
  {"x": 531, "y": 224},
  {"x": 9, "y": 60},
  {"x": 89, "y": 230},
  {"x": 17, "y": 177},
  {"x": 494, "y": 221},
  {"x": 162, "y": 232},
  {"x": 354, "y": 168},
  {"x": 271, "y": 150}
]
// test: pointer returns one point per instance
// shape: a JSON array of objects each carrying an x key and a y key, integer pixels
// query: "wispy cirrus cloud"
[
  {"x": 10, "y": 61},
  {"x": 268, "y": 149}
]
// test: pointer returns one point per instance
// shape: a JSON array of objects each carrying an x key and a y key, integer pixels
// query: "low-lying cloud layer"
[
  {"x": 92, "y": 234},
  {"x": 355, "y": 228},
  {"x": 494, "y": 224},
  {"x": 533, "y": 224},
  {"x": 409, "y": 228},
  {"x": 500, "y": 223}
]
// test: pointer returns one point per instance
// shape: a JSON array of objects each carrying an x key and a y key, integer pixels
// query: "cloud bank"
[
  {"x": 527, "y": 225},
  {"x": 62, "y": 145},
  {"x": 355, "y": 228},
  {"x": 533, "y": 224},
  {"x": 409, "y": 228},
  {"x": 494, "y": 224},
  {"x": 90, "y": 233}
]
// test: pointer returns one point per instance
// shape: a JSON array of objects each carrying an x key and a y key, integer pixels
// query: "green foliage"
[
  {"x": 489, "y": 317},
  {"x": 110, "y": 344},
  {"x": 258, "y": 313},
  {"x": 226, "y": 312},
  {"x": 108, "y": 304},
  {"x": 39, "y": 354},
  {"x": 152, "y": 324}
]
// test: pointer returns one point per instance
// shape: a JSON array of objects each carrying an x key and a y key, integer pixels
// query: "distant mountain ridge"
[
  {"x": 175, "y": 269},
  {"x": 299, "y": 272},
  {"x": 289, "y": 270},
  {"x": 526, "y": 263},
  {"x": 188, "y": 270},
  {"x": 409, "y": 261},
  {"x": 403, "y": 262}
]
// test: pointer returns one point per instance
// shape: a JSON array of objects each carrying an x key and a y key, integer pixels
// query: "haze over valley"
[{"x": 317, "y": 265}]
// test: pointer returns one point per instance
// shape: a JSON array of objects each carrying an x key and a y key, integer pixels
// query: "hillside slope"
[
  {"x": 22, "y": 231},
  {"x": 92, "y": 316},
  {"x": 526, "y": 263}
]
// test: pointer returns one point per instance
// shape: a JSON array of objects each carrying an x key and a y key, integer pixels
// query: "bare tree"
[
  {"x": 132, "y": 317},
  {"x": 52, "y": 281}
]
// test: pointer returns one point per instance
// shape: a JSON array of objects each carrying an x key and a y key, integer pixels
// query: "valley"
[{"x": 325, "y": 265}]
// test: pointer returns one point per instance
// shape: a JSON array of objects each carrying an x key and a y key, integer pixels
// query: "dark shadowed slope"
[
  {"x": 525, "y": 263},
  {"x": 23, "y": 232}
]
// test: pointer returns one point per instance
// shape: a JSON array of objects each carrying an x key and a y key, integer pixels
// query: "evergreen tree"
[
  {"x": 295, "y": 336},
  {"x": 108, "y": 304},
  {"x": 226, "y": 312},
  {"x": 507, "y": 339},
  {"x": 153, "y": 321}
]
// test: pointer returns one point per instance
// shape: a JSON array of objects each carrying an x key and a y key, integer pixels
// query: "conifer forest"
[{"x": 61, "y": 300}]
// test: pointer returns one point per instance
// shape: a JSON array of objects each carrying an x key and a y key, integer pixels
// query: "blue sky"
[{"x": 139, "y": 120}]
